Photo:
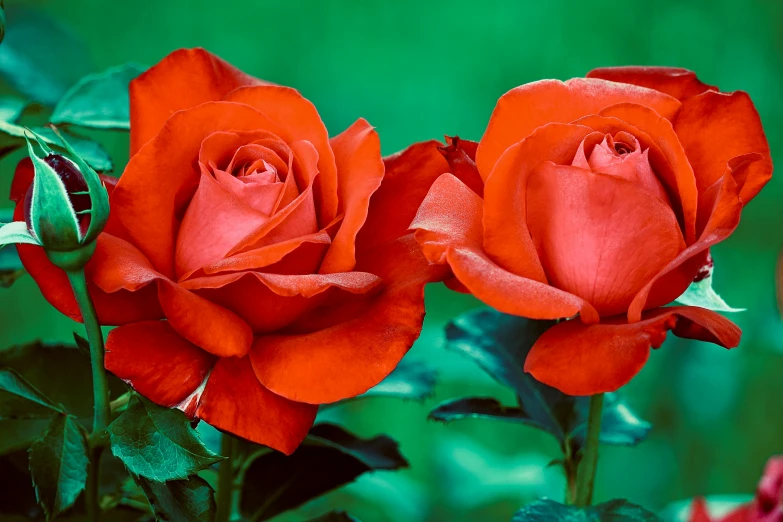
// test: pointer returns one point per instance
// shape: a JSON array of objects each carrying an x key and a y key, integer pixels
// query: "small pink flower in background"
[{"x": 767, "y": 506}]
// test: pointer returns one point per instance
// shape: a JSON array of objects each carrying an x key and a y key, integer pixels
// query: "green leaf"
[
  {"x": 480, "y": 408},
  {"x": 99, "y": 100},
  {"x": 39, "y": 57},
  {"x": 410, "y": 380},
  {"x": 17, "y": 494},
  {"x": 20, "y": 400},
  {"x": 700, "y": 293},
  {"x": 328, "y": 458},
  {"x": 158, "y": 443},
  {"x": 11, "y": 108},
  {"x": 612, "y": 511},
  {"x": 335, "y": 516},
  {"x": 180, "y": 500},
  {"x": 16, "y": 232},
  {"x": 620, "y": 426},
  {"x": 11, "y": 267},
  {"x": 499, "y": 344},
  {"x": 12, "y": 137},
  {"x": 66, "y": 378},
  {"x": 58, "y": 465}
]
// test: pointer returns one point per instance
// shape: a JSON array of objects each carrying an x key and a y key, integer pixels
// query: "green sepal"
[
  {"x": 58, "y": 465},
  {"x": 16, "y": 232},
  {"x": 52, "y": 216},
  {"x": 700, "y": 293},
  {"x": 73, "y": 259},
  {"x": 99, "y": 198}
]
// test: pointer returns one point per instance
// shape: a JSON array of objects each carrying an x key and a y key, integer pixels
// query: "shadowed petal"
[
  {"x": 580, "y": 359},
  {"x": 360, "y": 171},
  {"x": 157, "y": 361},
  {"x": 234, "y": 401}
]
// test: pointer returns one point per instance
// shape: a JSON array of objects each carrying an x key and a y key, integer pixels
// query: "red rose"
[
  {"x": 601, "y": 198},
  {"x": 767, "y": 506},
  {"x": 250, "y": 231}
]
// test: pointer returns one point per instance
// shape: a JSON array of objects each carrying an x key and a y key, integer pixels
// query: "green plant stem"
[
  {"x": 571, "y": 467},
  {"x": 225, "y": 486},
  {"x": 100, "y": 384},
  {"x": 100, "y": 387},
  {"x": 91, "y": 488},
  {"x": 589, "y": 462}
]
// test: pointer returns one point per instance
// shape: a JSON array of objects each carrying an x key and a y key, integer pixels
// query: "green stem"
[
  {"x": 589, "y": 462},
  {"x": 92, "y": 499},
  {"x": 225, "y": 486},
  {"x": 100, "y": 387},
  {"x": 570, "y": 466}
]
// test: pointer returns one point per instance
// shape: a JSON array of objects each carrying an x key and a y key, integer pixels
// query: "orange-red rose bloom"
[
  {"x": 599, "y": 197},
  {"x": 251, "y": 275}
]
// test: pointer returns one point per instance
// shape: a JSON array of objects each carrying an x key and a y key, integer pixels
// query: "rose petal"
[
  {"x": 461, "y": 156},
  {"x": 182, "y": 80},
  {"x": 448, "y": 228},
  {"x": 666, "y": 154},
  {"x": 347, "y": 358},
  {"x": 523, "y": 109},
  {"x": 269, "y": 302},
  {"x": 204, "y": 323},
  {"x": 114, "y": 308},
  {"x": 623, "y": 234},
  {"x": 298, "y": 120},
  {"x": 357, "y": 151},
  {"x": 161, "y": 178},
  {"x": 261, "y": 197},
  {"x": 409, "y": 175},
  {"x": 699, "y": 511},
  {"x": 234, "y": 401},
  {"x": 714, "y": 128},
  {"x": 676, "y": 82},
  {"x": 580, "y": 359},
  {"x": 506, "y": 237},
  {"x": 156, "y": 361},
  {"x": 721, "y": 203},
  {"x": 219, "y": 148},
  {"x": 269, "y": 255},
  {"x": 214, "y": 223}
]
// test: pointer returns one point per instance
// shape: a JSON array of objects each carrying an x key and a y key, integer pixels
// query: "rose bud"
[{"x": 66, "y": 207}]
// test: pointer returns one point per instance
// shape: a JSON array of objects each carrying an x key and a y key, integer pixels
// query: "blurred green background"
[{"x": 417, "y": 70}]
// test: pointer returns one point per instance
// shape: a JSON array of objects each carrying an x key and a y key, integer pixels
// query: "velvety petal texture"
[
  {"x": 599, "y": 200},
  {"x": 257, "y": 267}
]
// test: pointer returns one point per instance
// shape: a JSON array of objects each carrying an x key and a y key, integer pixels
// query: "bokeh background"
[{"x": 418, "y": 70}]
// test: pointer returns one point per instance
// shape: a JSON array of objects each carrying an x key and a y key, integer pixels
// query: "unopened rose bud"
[{"x": 66, "y": 207}]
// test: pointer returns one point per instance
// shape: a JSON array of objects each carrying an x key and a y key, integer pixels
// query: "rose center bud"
[
  {"x": 621, "y": 155},
  {"x": 240, "y": 192}
]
